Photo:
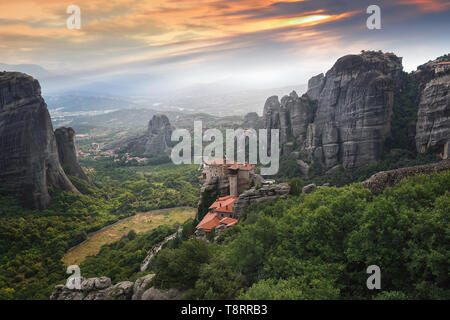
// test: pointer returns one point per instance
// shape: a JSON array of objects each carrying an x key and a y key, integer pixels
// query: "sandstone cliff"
[
  {"x": 29, "y": 161},
  {"x": 344, "y": 119},
  {"x": 153, "y": 142},
  {"x": 65, "y": 140},
  {"x": 433, "y": 119}
]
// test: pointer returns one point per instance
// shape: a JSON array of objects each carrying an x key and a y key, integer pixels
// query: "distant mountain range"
[
  {"x": 33, "y": 70},
  {"x": 71, "y": 93}
]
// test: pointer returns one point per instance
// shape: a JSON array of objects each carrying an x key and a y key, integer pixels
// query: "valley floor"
[{"x": 141, "y": 222}]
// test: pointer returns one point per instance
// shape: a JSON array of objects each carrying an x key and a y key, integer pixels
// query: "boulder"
[
  {"x": 140, "y": 286},
  {"x": 309, "y": 188}
]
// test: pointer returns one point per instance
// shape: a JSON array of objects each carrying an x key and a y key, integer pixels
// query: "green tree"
[
  {"x": 296, "y": 185},
  {"x": 179, "y": 268}
]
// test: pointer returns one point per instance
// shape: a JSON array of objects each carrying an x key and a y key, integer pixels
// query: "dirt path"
[
  {"x": 153, "y": 251},
  {"x": 140, "y": 222}
]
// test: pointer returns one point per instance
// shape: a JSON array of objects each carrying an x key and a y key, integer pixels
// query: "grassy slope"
[{"x": 141, "y": 222}]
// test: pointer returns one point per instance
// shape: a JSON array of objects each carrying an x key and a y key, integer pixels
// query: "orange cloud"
[
  {"x": 126, "y": 30},
  {"x": 429, "y": 5}
]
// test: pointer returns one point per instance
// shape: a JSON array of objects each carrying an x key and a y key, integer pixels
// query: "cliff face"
[
  {"x": 65, "y": 140},
  {"x": 433, "y": 118},
  {"x": 29, "y": 161},
  {"x": 158, "y": 134},
  {"x": 153, "y": 142},
  {"x": 344, "y": 118}
]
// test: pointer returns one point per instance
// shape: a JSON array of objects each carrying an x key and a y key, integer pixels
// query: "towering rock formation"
[
  {"x": 252, "y": 120},
  {"x": 315, "y": 86},
  {"x": 29, "y": 161},
  {"x": 65, "y": 140},
  {"x": 344, "y": 118},
  {"x": 433, "y": 119},
  {"x": 159, "y": 132},
  {"x": 153, "y": 142}
]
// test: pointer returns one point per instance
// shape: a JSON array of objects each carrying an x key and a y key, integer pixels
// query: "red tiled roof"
[
  {"x": 445, "y": 62},
  {"x": 228, "y": 221},
  {"x": 223, "y": 201},
  {"x": 209, "y": 222},
  {"x": 224, "y": 204},
  {"x": 230, "y": 164}
]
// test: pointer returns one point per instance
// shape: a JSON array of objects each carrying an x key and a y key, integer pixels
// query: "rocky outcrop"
[
  {"x": 381, "y": 180},
  {"x": 252, "y": 120},
  {"x": 153, "y": 142},
  {"x": 29, "y": 161},
  {"x": 159, "y": 133},
  {"x": 345, "y": 116},
  {"x": 309, "y": 188},
  {"x": 263, "y": 194},
  {"x": 65, "y": 140},
  {"x": 433, "y": 119},
  {"x": 315, "y": 86},
  {"x": 102, "y": 289}
]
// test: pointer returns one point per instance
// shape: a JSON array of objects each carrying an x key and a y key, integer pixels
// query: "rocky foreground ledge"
[
  {"x": 381, "y": 180},
  {"x": 102, "y": 289}
]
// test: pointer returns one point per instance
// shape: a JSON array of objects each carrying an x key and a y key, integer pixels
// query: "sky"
[{"x": 140, "y": 47}]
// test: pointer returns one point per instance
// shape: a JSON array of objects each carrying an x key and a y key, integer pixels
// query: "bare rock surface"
[
  {"x": 65, "y": 140},
  {"x": 345, "y": 116},
  {"x": 153, "y": 142},
  {"x": 309, "y": 188},
  {"x": 263, "y": 194},
  {"x": 102, "y": 289},
  {"x": 29, "y": 161},
  {"x": 433, "y": 119},
  {"x": 381, "y": 180}
]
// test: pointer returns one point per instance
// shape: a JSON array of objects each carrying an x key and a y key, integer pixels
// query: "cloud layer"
[{"x": 207, "y": 40}]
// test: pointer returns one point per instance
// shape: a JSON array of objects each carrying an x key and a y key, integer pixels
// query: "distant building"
[
  {"x": 223, "y": 207},
  {"x": 239, "y": 175},
  {"x": 442, "y": 66},
  {"x": 220, "y": 213}
]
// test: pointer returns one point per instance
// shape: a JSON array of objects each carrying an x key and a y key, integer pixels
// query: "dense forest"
[
  {"x": 318, "y": 246},
  {"x": 32, "y": 243},
  {"x": 308, "y": 246}
]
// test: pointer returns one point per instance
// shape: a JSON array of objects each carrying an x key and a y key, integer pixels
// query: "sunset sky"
[{"x": 170, "y": 43}]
